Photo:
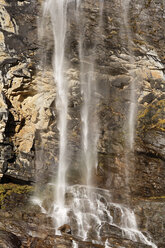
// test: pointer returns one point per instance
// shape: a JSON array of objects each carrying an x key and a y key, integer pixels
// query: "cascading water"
[
  {"x": 133, "y": 102},
  {"x": 92, "y": 215},
  {"x": 127, "y": 43},
  {"x": 89, "y": 123},
  {"x": 88, "y": 112},
  {"x": 57, "y": 10},
  {"x": 90, "y": 130},
  {"x": 89, "y": 211}
]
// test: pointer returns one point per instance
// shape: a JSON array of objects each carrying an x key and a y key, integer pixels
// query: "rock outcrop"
[{"x": 126, "y": 53}]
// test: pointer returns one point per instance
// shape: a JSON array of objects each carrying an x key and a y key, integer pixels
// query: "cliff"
[{"x": 28, "y": 118}]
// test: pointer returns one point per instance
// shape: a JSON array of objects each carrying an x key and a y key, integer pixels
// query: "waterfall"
[
  {"x": 88, "y": 210},
  {"x": 74, "y": 244},
  {"x": 130, "y": 124},
  {"x": 133, "y": 102},
  {"x": 90, "y": 129},
  {"x": 89, "y": 123},
  {"x": 57, "y": 10},
  {"x": 88, "y": 114}
]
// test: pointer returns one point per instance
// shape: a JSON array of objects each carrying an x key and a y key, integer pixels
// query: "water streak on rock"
[
  {"x": 57, "y": 10},
  {"x": 133, "y": 102},
  {"x": 88, "y": 111},
  {"x": 89, "y": 211}
]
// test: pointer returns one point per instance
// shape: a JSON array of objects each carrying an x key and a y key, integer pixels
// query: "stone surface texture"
[{"x": 28, "y": 118}]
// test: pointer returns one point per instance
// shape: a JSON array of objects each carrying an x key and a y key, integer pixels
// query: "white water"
[
  {"x": 101, "y": 15},
  {"x": 89, "y": 121},
  {"x": 87, "y": 210},
  {"x": 133, "y": 102},
  {"x": 88, "y": 111},
  {"x": 107, "y": 245},
  {"x": 91, "y": 212},
  {"x": 57, "y": 10},
  {"x": 74, "y": 244}
]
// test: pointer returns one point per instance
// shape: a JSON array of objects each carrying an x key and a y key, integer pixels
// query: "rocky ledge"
[{"x": 22, "y": 225}]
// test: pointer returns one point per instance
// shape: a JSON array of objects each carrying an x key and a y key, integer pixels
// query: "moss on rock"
[
  {"x": 158, "y": 198},
  {"x": 152, "y": 116},
  {"x": 10, "y": 193}
]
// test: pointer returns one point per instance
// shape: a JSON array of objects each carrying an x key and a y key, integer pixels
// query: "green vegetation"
[
  {"x": 160, "y": 125},
  {"x": 7, "y": 190},
  {"x": 143, "y": 113},
  {"x": 152, "y": 117},
  {"x": 157, "y": 197}
]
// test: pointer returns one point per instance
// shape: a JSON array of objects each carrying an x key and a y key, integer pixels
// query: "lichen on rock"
[{"x": 28, "y": 120}]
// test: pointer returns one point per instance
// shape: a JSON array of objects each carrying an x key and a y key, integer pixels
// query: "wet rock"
[
  {"x": 117, "y": 243},
  {"x": 9, "y": 240},
  {"x": 150, "y": 169},
  {"x": 29, "y": 136},
  {"x": 65, "y": 229},
  {"x": 120, "y": 81},
  {"x": 108, "y": 230},
  {"x": 150, "y": 216},
  {"x": 30, "y": 108}
]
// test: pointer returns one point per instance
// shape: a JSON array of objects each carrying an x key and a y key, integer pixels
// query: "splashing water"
[
  {"x": 107, "y": 245},
  {"x": 92, "y": 215},
  {"x": 89, "y": 211},
  {"x": 74, "y": 244}
]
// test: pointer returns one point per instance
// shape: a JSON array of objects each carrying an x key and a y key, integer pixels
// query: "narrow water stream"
[{"x": 133, "y": 98}]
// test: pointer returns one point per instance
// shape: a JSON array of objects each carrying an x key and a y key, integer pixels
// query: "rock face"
[
  {"x": 23, "y": 225},
  {"x": 17, "y": 70},
  {"x": 9, "y": 240},
  {"x": 20, "y": 93},
  {"x": 128, "y": 51},
  {"x": 150, "y": 216}
]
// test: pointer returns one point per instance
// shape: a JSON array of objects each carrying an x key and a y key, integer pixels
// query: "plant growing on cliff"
[{"x": 10, "y": 191}]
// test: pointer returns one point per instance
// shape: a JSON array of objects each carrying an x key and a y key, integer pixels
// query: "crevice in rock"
[
  {"x": 22, "y": 124},
  {"x": 8, "y": 179},
  {"x": 150, "y": 155},
  {"x": 12, "y": 160},
  {"x": 10, "y": 126},
  {"x": 6, "y": 64}
]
